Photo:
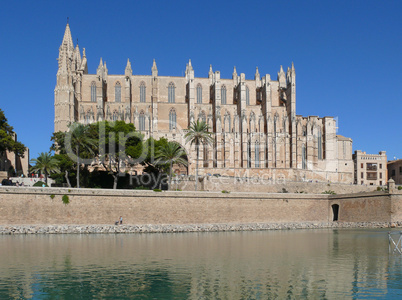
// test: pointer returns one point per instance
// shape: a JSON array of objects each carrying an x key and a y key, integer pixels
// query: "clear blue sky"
[{"x": 347, "y": 54}]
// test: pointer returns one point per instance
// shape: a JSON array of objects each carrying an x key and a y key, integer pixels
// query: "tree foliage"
[
  {"x": 46, "y": 164},
  {"x": 198, "y": 134},
  {"x": 171, "y": 153},
  {"x": 7, "y": 140},
  {"x": 102, "y": 145}
]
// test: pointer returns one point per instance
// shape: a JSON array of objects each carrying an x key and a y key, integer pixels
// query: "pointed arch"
[
  {"x": 172, "y": 119},
  {"x": 199, "y": 93},
  {"x": 142, "y": 92},
  {"x": 319, "y": 141},
  {"x": 171, "y": 92},
  {"x": 93, "y": 91},
  {"x": 202, "y": 116},
  {"x": 117, "y": 92},
  {"x": 257, "y": 154},
  {"x": 141, "y": 121},
  {"x": 252, "y": 125},
  {"x": 304, "y": 157},
  {"x": 115, "y": 115},
  {"x": 226, "y": 122},
  {"x": 223, "y": 94}
]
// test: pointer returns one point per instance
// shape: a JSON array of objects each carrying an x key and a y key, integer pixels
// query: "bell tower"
[{"x": 64, "y": 97}]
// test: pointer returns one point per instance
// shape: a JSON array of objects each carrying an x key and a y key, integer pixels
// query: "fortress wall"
[
  {"x": 34, "y": 206},
  {"x": 264, "y": 185}
]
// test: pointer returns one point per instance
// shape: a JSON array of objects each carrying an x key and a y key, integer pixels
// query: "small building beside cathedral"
[{"x": 254, "y": 123}]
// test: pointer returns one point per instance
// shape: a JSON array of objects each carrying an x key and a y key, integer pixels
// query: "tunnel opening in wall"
[{"x": 335, "y": 212}]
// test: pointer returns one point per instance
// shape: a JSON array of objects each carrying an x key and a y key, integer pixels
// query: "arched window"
[
  {"x": 117, "y": 92},
  {"x": 304, "y": 157},
  {"x": 319, "y": 141},
  {"x": 226, "y": 122},
  {"x": 249, "y": 154},
  {"x": 141, "y": 120},
  {"x": 199, "y": 93},
  {"x": 93, "y": 92},
  {"x": 223, "y": 94},
  {"x": 304, "y": 131},
  {"x": 257, "y": 154},
  {"x": 172, "y": 119},
  {"x": 142, "y": 92},
  {"x": 171, "y": 95},
  {"x": 202, "y": 116},
  {"x": 247, "y": 96},
  {"x": 115, "y": 116}
]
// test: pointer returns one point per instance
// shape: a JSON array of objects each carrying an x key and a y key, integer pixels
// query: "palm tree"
[
  {"x": 171, "y": 153},
  {"x": 198, "y": 134},
  {"x": 79, "y": 140},
  {"x": 46, "y": 164}
]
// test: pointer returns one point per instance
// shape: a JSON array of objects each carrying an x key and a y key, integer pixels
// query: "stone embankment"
[{"x": 101, "y": 229}]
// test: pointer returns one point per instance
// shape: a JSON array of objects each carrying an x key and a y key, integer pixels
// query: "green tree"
[
  {"x": 171, "y": 153},
  {"x": 198, "y": 134},
  {"x": 79, "y": 144},
  {"x": 66, "y": 166},
  {"x": 7, "y": 138},
  {"x": 46, "y": 164},
  {"x": 119, "y": 146}
]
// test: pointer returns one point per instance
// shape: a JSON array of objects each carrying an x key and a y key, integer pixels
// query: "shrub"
[
  {"x": 329, "y": 192},
  {"x": 141, "y": 187},
  {"x": 69, "y": 190},
  {"x": 157, "y": 190},
  {"x": 40, "y": 184},
  {"x": 399, "y": 187},
  {"x": 225, "y": 192},
  {"x": 65, "y": 199},
  {"x": 52, "y": 196}
]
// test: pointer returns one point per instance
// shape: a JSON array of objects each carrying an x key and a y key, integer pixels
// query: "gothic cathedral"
[{"x": 254, "y": 123}]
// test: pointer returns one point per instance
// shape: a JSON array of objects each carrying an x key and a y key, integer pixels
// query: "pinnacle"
[{"x": 67, "y": 38}]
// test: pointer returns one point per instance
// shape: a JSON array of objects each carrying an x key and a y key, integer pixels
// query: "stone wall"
[
  {"x": 265, "y": 185},
  {"x": 39, "y": 206}
]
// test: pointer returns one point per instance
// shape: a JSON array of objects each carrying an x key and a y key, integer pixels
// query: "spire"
[
  {"x": 67, "y": 38},
  {"x": 77, "y": 56},
  {"x": 210, "y": 73},
  {"x": 154, "y": 69},
  {"x": 190, "y": 67},
  {"x": 282, "y": 78},
  {"x": 99, "y": 71},
  {"x": 234, "y": 75},
  {"x": 293, "y": 66},
  {"x": 257, "y": 74},
  {"x": 105, "y": 69},
  {"x": 128, "y": 71}
]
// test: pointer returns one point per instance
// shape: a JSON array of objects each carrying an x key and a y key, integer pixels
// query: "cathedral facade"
[{"x": 254, "y": 123}]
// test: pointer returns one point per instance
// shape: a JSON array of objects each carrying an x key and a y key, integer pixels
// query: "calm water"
[{"x": 312, "y": 264}]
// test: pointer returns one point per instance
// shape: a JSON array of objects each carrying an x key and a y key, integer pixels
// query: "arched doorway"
[{"x": 335, "y": 212}]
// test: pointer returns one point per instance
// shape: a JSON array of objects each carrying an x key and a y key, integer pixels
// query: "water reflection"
[{"x": 315, "y": 264}]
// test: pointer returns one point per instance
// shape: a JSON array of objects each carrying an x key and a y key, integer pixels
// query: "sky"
[{"x": 347, "y": 55}]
